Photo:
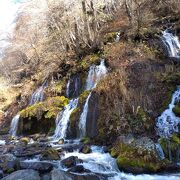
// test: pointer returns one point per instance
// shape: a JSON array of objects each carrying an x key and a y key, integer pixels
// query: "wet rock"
[
  {"x": 1, "y": 174},
  {"x": 4, "y": 161},
  {"x": 39, "y": 166},
  {"x": 85, "y": 149},
  {"x": 50, "y": 154},
  {"x": 46, "y": 177},
  {"x": 70, "y": 161},
  {"x": 79, "y": 169},
  {"x": 61, "y": 175},
  {"x": 92, "y": 115},
  {"x": 61, "y": 141},
  {"x": 23, "y": 174},
  {"x": 25, "y": 140}
]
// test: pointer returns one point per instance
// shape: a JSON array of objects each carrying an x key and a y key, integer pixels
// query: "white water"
[
  {"x": 160, "y": 151},
  {"x": 62, "y": 119},
  {"x": 38, "y": 95},
  {"x": 83, "y": 117},
  {"x": 2, "y": 142},
  {"x": 172, "y": 43},
  {"x": 95, "y": 74},
  {"x": 14, "y": 125},
  {"x": 67, "y": 89},
  {"x": 167, "y": 123},
  {"x": 102, "y": 163}
]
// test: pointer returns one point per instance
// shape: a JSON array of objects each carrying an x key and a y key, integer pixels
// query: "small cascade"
[
  {"x": 67, "y": 89},
  {"x": 172, "y": 44},
  {"x": 167, "y": 123},
  {"x": 62, "y": 119},
  {"x": 38, "y": 95},
  {"x": 160, "y": 151},
  {"x": 14, "y": 125},
  {"x": 95, "y": 74},
  {"x": 83, "y": 117}
]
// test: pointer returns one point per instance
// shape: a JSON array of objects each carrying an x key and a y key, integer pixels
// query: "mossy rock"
[
  {"x": 25, "y": 140},
  {"x": 172, "y": 78},
  {"x": 176, "y": 110},
  {"x": 83, "y": 97},
  {"x": 40, "y": 117},
  {"x": 136, "y": 159},
  {"x": 50, "y": 154},
  {"x": 110, "y": 37},
  {"x": 171, "y": 146},
  {"x": 86, "y": 140},
  {"x": 74, "y": 121}
]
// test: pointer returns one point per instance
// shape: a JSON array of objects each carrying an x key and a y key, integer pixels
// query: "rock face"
[
  {"x": 75, "y": 86},
  {"x": 92, "y": 115},
  {"x": 39, "y": 166},
  {"x": 40, "y": 117},
  {"x": 23, "y": 174}
]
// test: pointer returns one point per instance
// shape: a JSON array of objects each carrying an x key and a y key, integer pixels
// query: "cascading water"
[
  {"x": 82, "y": 121},
  {"x": 168, "y": 122},
  {"x": 14, "y": 125},
  {"x": 38, "y": 95},
  {"x": 172, "y": 44},
  {"x": 94, "y": 76},
  {"x": 63, "y": 119},
  {"x": 160, "y": 151}
]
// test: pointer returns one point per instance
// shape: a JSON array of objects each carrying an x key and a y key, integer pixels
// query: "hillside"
[{"x": 90, "y": 90}]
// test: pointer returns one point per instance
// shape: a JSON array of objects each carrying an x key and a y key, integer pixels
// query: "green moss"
[
  {"x": 110, "y": 37},
  {"x": 83, "y": 97},
  {"x": 86, "y": 140},
  {"x": 170, "y": 146},
  {"x": 172, "y": 78},
  {"x": 40, "y": 117},
  {"x": 84, "y": 64},
  {"x": 94, "y": 58},
  {"x": 176, "y": 110},
  {"x": 124, "y": 162}
]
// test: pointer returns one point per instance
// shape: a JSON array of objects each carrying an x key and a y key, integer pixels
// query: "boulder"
[
  {"x": 70, "y": 161},
  {"x": 61, "y": 141},
  {"x": 50, "y": 154},
  {"x": 61, "y": 175},
  {"x": 78, "y": 169},
  {"x": 23, "y": 174},
  {"x": 39, "y": 166},
  {"x": 85, "y": 149}
]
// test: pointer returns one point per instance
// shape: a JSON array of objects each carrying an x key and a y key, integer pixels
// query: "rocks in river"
[
  {"x": 39, "y": 166},
  {"x": 78, "y": 169},
  {"x": 71, "y": 161},
  {"x": 25, "y": 140},
  {"x": 5, "y": 164},
  {"x": 85, "y": 149},
  {"x": 61, "y": 175},
  {"x": 50, "y": 154},
  {"x": 61, "y": 141},
  {"x": 23, "y": 174},
  {"x": 1, "y": 174}
]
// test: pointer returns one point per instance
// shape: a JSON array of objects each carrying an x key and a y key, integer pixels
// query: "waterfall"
[
  {"x": 167, "y": 123},
  {"x": 83, "y": 117},
  {"x": 160, "y": 151},
  {"x": 172, "y": 44},
  {"x": 67, "y": 89},
  {"x": 94, "y": 76},
  {"x": 38, "y": 95},
  {"x": 14, "y": 125},
  {"x": 62, "y": 119}
]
